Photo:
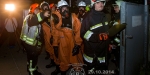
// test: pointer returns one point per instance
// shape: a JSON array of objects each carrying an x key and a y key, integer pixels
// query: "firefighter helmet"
[
  {"x": 95, "y": 1},
  {"x": 52, "y": 5},
  {"x": 33, "y": 7},
  {"x": 81, "y": 4},
  {"x": 44, "y": 4},
  {"x": 62, "y": 3},
  {"x": 118, "y": 3}
]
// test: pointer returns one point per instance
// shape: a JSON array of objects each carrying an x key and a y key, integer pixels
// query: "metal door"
[{"x": 132, "y": 44}]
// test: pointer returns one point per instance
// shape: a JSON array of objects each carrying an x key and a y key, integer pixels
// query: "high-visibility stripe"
[
  {"x": 30, "y": 39},
  {"x": 87, "y": 35},
  {"x": 101, "y": 60},
  {"x": 29, "y": 43},
  {"x": 117, "y": 40},
  {"x": 87, "y": 58},
  {"x": 24, "y": 37},
  {"x": 39, "y": 17},
  {"x": 96, "y": 26},
  {"x": 116, "y": 23},
  {"x": 31, "y": 70},
  {"x": 106, "y": 23},
  {"x": 90, "y": 59}
]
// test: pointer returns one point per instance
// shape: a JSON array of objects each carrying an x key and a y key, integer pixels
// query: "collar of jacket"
[{"x": 97, "y": 12}]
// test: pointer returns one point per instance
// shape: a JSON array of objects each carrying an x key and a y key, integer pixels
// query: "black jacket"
[{"x": 94, "y": 45}]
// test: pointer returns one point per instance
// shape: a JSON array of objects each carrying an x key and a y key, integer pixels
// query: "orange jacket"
[
  {"x": 66, "y": 38},
  {"x": 47, "y": 35}
]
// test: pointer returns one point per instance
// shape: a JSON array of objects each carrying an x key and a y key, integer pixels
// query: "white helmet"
[
  {"x": 117, "y": 3},
  {"x": 81, "y": 3},
  {"x": 44, "y": 4},
  {"x": 62, "y": 3},
  {"x": 95, "y": 1}
]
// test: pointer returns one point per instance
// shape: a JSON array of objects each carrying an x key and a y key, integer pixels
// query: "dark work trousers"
[
  {"x": 32, "y": 54},
  {"x": 7, "y": 35},
  {"x": 116, "y": 53},
  {"x": 99, "y": 68}
]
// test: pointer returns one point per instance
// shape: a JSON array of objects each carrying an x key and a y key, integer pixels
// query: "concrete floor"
[{"x": 13, "y": 62}]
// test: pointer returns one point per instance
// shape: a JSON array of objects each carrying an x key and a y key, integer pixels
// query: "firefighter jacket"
[
  {"x": 31, "y": 30},
  {"x": 67, "y": 34},
  {"x": 93, "y": 24}
]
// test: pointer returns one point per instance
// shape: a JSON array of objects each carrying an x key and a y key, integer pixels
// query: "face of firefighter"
[
  {"x": 53, "y": 9},
  {"x": 65, "y": 12},
  {"x": 99, "y": 6},
  {"x": 81, "y": 10},
  {"x": 36, "y": 11},
  {"x": 116, "y": 8}
]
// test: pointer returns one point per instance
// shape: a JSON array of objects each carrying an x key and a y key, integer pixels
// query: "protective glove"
[
  {"x": 103, "y": 36},
  {"x": 56, "y": 51},
  {"x": 75, "y": 50}
]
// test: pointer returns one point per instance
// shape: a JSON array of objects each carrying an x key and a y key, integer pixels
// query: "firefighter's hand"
[
  {"x": 75, "y": 50},
  {"x": 56, "y": 51},
  {"x": 47, "y": 13},
  {"x": 103, "y": 36}
]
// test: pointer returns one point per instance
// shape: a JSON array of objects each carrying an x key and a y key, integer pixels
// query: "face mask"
[
  {"x": 81, "y": 12},
  {"x": 65, "y": 14}
]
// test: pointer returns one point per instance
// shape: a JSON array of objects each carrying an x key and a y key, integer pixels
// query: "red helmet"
[
  {"x": 52, "y": 5},
  {"x": 33, "y": 7}
]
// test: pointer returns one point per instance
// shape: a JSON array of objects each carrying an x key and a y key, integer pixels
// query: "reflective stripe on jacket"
[{"x": 29, "y": 34}]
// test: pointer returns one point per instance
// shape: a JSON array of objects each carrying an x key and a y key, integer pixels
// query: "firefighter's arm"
[
  {"x": 76, "y": 33},
  {"x": 42, "y": 15},
  {"x": 76, "y": 30},
  {"x": 56, "y": 23},
  {"x": 37, "y": 19},
  {"x": 57, "y": 19}
]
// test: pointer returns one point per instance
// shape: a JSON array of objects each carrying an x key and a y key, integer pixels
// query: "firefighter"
[
  {"x": 116, "y": 39},
  {"x": 31, "y": 37},
  {"x": 67, "y": 40},
  {"x": 82, "y": 11},
  {"x": 95, "y": 38},
  {"x": 43, "y": 7},
  {"x": 47, "y": 31},
  {"x": 116, "y": 6}
]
